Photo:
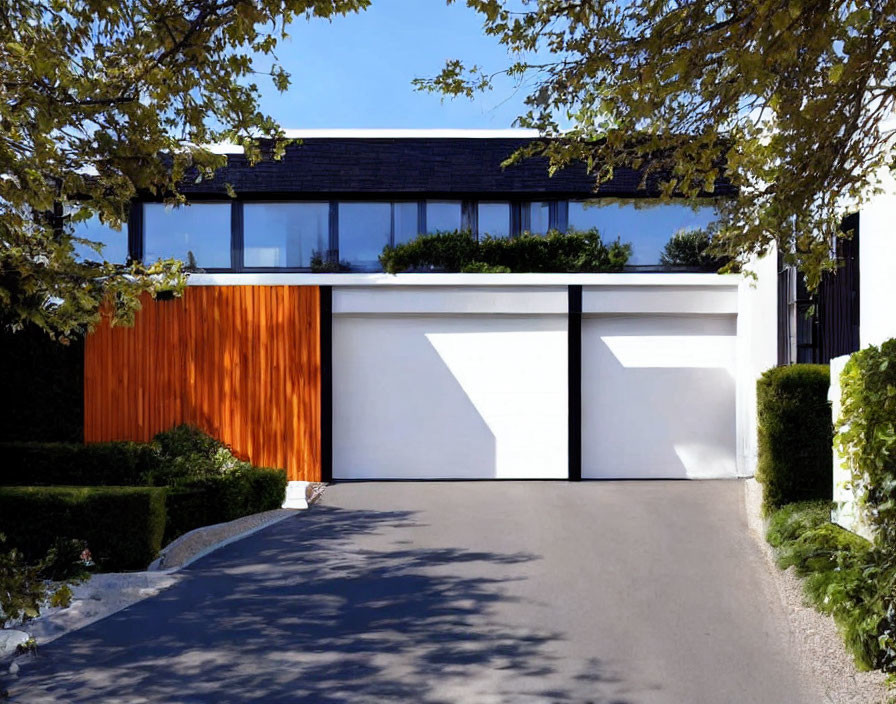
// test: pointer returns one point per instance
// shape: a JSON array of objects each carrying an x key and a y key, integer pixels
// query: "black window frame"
[{"x": 520, "y": 220}]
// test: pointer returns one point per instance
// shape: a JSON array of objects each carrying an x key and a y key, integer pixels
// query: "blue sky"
[{"x": 356, "y": 71}]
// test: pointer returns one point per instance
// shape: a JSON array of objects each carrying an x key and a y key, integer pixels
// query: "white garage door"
[
  {"x": 449, "y": 396},
  {"x": 658, "y": 396}
]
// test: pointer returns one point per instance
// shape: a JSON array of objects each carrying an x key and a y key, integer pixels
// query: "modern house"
[{"x": 643, "y": 373}]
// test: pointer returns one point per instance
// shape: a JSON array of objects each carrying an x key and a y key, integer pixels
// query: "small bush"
[
  {"x": 790, "y": 522},
  {"x": 24, "y": 587},
  {"x": 74, "y": 464},
  {"x": 122, "y": 526},
  {"x": 795, "y": 434},
  {"x": 806, "y": 538},
  {"x": 866, "y": 436},
  {"x": 186, "y": 453},
  {"x": 844, "y": 576},
  {"x": 692, "y": 249},
  {"x": 555, "y": 252},
  {"x": 202, "y": 501}
]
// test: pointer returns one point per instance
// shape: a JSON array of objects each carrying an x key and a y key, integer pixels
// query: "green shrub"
[
  {"x": 24, "y": 586},
  {"x": 844, "y": 576},
  {"x": 555, "y": 252},
  {"x": 866, "y": 436},
  {"x": 795, "y": 434},
  {"x": 693, "y": 249},
  {"x": 186, "y": 453},
  {"x": 75, "y": 464},
  {"x": 122, "y": 526},
  {"x": 203, "y": 501},
  {"x": 793, "y": 520}
]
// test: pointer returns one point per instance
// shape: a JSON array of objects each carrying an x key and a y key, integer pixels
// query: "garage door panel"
[
  {"x": 436, "y": 397},
  {"x": 658, "y": 397}
]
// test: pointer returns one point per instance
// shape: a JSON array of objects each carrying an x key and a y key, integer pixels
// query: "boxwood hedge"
[
  {"x": 75, "y": 464},
  {"x": 795, "y": 434},
  {"x": 215, "y": 499},
  {"x": 122, "y": 526}
]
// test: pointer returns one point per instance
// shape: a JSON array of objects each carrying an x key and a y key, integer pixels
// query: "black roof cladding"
[{"x": 415, "y": 165}]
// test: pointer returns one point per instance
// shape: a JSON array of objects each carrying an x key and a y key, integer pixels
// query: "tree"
[
  {"x": 692, "y": 248},
  {"x": 788, "y": 101},
  {"x": 104, "y": 100}
]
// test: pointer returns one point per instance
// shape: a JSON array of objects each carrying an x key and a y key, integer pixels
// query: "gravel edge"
[
  {"x": 200, "y": 542},
  {"x": 820, "y": 651}
]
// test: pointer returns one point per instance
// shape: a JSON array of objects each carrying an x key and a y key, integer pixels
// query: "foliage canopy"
[
  {"x": 786, "y": 101},
  {"x": 93, "y": 93}
]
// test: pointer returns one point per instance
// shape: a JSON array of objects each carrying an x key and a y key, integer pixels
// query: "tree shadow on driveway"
[{"x": 313, "y": 609}]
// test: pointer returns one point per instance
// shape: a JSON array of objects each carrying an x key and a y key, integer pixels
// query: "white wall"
[
  {"x": 757, "y": 351},
  {"x": 449, "y": 396},
  {"x": 658, "y": 396},
  {"x": 468, "y": 379},
  {"x": 877, "y": 259}
]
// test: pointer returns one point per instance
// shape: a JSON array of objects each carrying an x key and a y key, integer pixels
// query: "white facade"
[
  {"x": 465, "y": 376},
  {"x": 877, "y": 322},
  {"x": 877, "y": 258},
  {"x": 658, "y": 396},
  {"x": 449, "y": 396}
]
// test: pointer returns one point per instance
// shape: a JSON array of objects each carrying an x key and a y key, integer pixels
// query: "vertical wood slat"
[{"x": 240, "y": 362}]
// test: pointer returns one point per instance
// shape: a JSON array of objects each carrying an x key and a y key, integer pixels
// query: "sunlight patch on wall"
[
  {"x": 705, "y": 460},
  {"x": 673, "y": 351}
]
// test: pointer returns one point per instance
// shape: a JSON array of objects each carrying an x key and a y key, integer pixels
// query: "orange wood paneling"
[{"x": 240, "y": 362}]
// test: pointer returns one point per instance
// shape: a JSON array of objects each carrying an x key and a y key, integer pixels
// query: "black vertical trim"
[
  {"x": 237, "y": 238},
  {"x": 326, "y": 383},
  {"x": 135, "y": 231},
  {"x": 516, "y": 218},
  {"x": 574, "y": 391},
  {"x": 334, "y": 231},
  {"x": 525, "y": 210},
  {"x": 421, "y": 217},
  {"x": 553, "y": 219},
  {"x": 562, "y": 223},
  {"x": 469, "y": 217},
  {"x": 392, "y": 224}
]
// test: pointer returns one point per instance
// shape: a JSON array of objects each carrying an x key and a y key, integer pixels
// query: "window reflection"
[
  {"x": 494, "y": 219},
  {"x": 404, "y": 217},
  {"x": 115, "y": 241},
  {"x": 201, "y": 230},
  {"x": 443, "y": 215},
  {"x": 648, "y": 226},
  {"x": 364, "y": 229},
  {"x": 539, "y": 218},
  {"x": 284, "y": 234}
]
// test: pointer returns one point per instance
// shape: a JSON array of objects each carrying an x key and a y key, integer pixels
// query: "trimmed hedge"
[
  {"x": 795, "y": 434},
  {"x": 555, "y": 252},
  {"x": 215, "y": 499},
  {"x": 123, "y": 526},
  {"x": 202, "y": 483},
  {"x": 74, "y": 464}
]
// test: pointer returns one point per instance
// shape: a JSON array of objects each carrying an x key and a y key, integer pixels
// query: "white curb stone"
[{"x": 297, "y": 495}]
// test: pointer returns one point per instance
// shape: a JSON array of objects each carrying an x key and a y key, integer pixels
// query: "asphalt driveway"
[{"x": 604, "y": 592}]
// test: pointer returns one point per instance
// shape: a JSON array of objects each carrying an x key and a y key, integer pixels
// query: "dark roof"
[{"x": 418, "y": 165}]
